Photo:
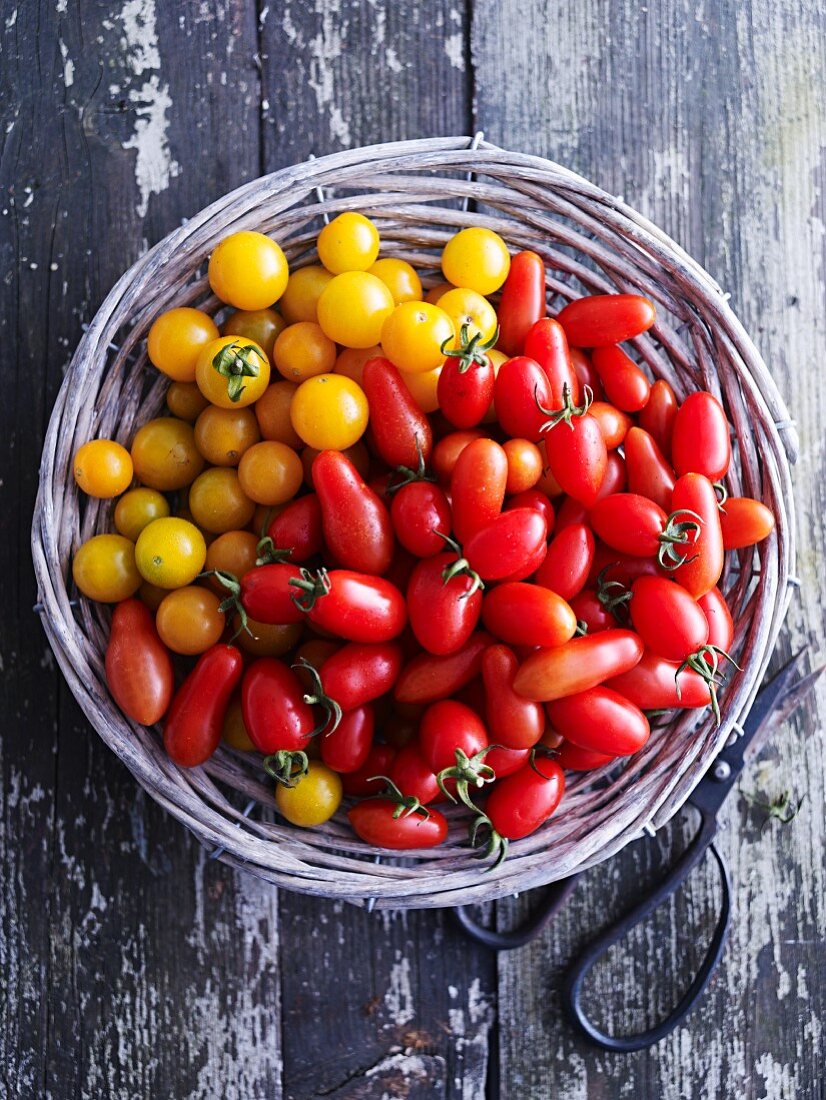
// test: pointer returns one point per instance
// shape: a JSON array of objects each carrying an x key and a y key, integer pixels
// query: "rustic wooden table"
[{"x": 132, "y": 965}]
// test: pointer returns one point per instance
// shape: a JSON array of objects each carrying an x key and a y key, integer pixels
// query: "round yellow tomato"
[
  {"x": 470, "y": 310},
  {"x": 272, "y": 410},
  {"x": 302, "y": 351},
  {"x": 234, "y": 732},
  {"x": 233, "y": 552},
  {"x": 262, "y": 326},
  {"x": 104, "y": 569},
  {"x": 358, "y": 455},
  {"x": 248, "y": 270},
  {"x": 223, "y": 435},
  {"x": 413, "y": 336},
  {"x": 170, "y": 552},
  {"x": 329, "y": 412},
  {"x": 304, "y": 287},
  {"x": 349, "y": 242},
  {"x": 476, "y": 258},
  {"x": 400, "y": 279},
  {"x": 353, "y": 308},
  {"x": 267, "y": 639},
  {"x": 175, "y": 340},
  {"x": 270, "y": 473},
  {"x": 438, "y": 291},
  {"x": 424, "y": 389},
  {"x": 314, "y": 799},
  {"x": 185, "y": 400},
  {"x": 350, "y": 361},
  {"x": 217, "y": 501},
  {"x": 164, "y": 454},
  {"x": 232, "y": 372},
  {"x": 103, "y": 468},
  {"x": 136, "y": 510},
  {"x": 190, "y": 620}
]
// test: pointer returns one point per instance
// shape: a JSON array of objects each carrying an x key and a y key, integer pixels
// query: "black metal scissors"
[{"x": 776, "y": 700}]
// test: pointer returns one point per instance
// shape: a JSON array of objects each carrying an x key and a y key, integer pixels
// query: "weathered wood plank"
[{"x": 709, "y": 118}]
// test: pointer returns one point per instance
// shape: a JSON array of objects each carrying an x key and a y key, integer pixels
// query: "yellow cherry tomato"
[
  {"x": 349, "y": 242},
  {"x": 438, "y": 291},
  {"x": 170, "y": 552},
  {"x": 497, "y": 358},
  {"x": 152, "y": 595},
  {"x": 358, "y": 455},
  {"x": 302, "y": 351},
  {"x": 413, "y": 336},
  {"x": 314, "y": 799},
  {"x": 272, "y": 411},
  {"x": 233, "y": 552},
  {"x": 476, "y": 258},
  {"x": 232, "y": 372},
  {"x": 223, "y": 435},
  {"x": 468, "y": 309},
  {"x": 353, "y": 308},
  {"x": 190, "y": 620},
  {"x": 185, "y": 400},
  {"x": 164, "y": 454},
  {"x": 329, "y": 412},
  {"x": 217, "y": 501},
  {"x": 103, "y": 468},
  {"x": 299, "y": 301},
  {"x": 270, "y": 472},
  {"x": 104, "y": 569},
  {"x": 424, "y": 389},
  {"x": 267, "y": 639},
  {"x": 400, "y": 279},
  {"x": 176, "y": 338},
  {"x": 350, "y": 361},
  {"x": 262, "y": 326},
  {"x": 234, "y": 732},
  {"x": 248, "y": 270},
  {"x": 136, "y": 510}
]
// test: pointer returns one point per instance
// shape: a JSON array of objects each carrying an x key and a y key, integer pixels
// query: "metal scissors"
[{"x": 775, "y": 701}]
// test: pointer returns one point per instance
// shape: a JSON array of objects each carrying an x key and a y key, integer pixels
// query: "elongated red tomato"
[
  {"x": 574, "y": 759},
  {"x": 616, "y": 478},
  {"x": 414, "y": 777},
  {"x": 586, "y": 373},
  {"x": 374, "y": 821},
  {"x": 507, "y": 544},
  {"x": 447, "y": 726},
  {"x": 138, "y": 665},
  {"x": 629, "y": 523},
  {"x": 600, "y": 720},
  {"x": 360, "y": 672},
  {"x": 355, "y": 521},
  {"x": 298, "y": 528},
  {"x": 527, "y": 614},
  {"x": 419, "y": 510},
  {"x": 625, "y": 384},
  {"x": 447, "y": 450},
  {"x": 613, "y": 423},
  {"x": 519, "y": 804},
  {"x": 347, "y": 747},
  {"x": 367, "y": 779},
  {"x": 401, "y": 430},
  {"x": 569, "y": 512},
  {"x": 195, "y": 719},
  {"x": 464, "y": 392},
  {"x": 667, "y": 618},
  {"x": 272, "y": 702},
  {"x": 602, "y": 319},
  {"x": 266, "y": 594},
  {"x": 522, "y": 302},
  {"x": 577, "y": 457},
  {"x": 547, "y": 345},
  {"x": 512, "y": 721},
  {"x": 521, "y": 392},
  {"x": 657, "y": 418},
  {"x": 718, "y": 617},
  {"x": 577, "y": 665},
  {"x": 427, "y": 677},
  {"x": 745, "y": 522},
  {"x": 653, "y": 684},
  {"x": 536, "y": 499},
  {"x": 505, "y": 761},
  {"x": 700, "y": 441},
  {"x": 355, "y": 606},
  {"x": 477, "y": 486},
  {"x": 568, "y": 561},
  {"x": 705, "y": 553},
  {"x": 649, "y": 474},
  {"x": 443, "y": 609},
  {"x": 620, "y": 567}
]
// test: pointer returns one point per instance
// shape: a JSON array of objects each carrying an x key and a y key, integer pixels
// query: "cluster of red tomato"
[{"x": 518, "y": 566}]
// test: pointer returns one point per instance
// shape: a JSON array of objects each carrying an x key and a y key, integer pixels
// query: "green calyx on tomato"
[
  {"x": 312, "y": 588},
  {"x": 493, "y": 845},
  {"x": 678, "y": 533},
  {"x": 406, "y": 804},
  {"x": 706, "y": 663},
  {"x": 472, "y": 350},
  {"x": 568, "y": 410},
  {"x": 231, "y": 603},
  {"x": 318, "y": 697},
  {"x": 287, "y": 767},
  {"x": 613, "y": 595},
  {"x": 268, "y": 552},
  {"x": 406, "y": 475},
  {"x": 722, "y": 494},
  {"x": 235, "y": 362},
  {"x": 466, "y": 771},
  {"x": 460, "y": 567}
]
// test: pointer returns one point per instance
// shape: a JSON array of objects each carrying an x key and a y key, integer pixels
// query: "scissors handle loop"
[{"x": 558, "y": 894}]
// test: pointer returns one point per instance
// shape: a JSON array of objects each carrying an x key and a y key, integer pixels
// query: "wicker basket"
[{"x": 418, "y": 193}]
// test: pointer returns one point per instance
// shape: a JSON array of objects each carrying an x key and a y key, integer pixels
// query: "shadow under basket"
[{"x": 419, "y": 194}]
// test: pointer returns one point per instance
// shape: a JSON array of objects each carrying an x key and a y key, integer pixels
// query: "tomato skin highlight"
[
  {"x": 600, "y": 720},
  {"x": 428, "y": 678},
  {"x": 522, "y": 303},
  {"x": 521, "y": 387},
  {"x": 667, "y": 618},
  {"x": 706, "y": 554},
  {"x": 347, "y": 747},
  {"x": 568, "y": 561},
  {"x": 477, "y": 487},
  {"x": 578, "y": 665},
  {"x": 272, "y": 703},
  {"x": 396, "y": 420},
  {"x": 652, "y": 684},
  {"x": 139, "y": 669},
  {"x": 625, "y": 385},
  {"x": 194, "y": 721},
  {"x": 506, "y": 544},
  {"x": 360, "y": 672},
  {"x": 418, "y": 511},
  {"x": 547, "y": 345},
  {"x": 578, "y": 457},
  {"x": 657, "y": 418},
  {"x": 355, "y": 521},
  {"x": 700, "y": 441},
  {"x": 629, "y": 523},
  {"x": 443, "y": 614},
  {"x": 528, "y": 614},
  {"x": 298, "y": 528},
  {"x": 745, "y": 522},
  {"x": 373, "y": 822},
  {"x": 602, "y": 319},
  {"x": 519, "y": 804},
  {"x": 360, "y": 607},
  {"x": 649, "y": 474},
  {"x": 512, "y": 722}
]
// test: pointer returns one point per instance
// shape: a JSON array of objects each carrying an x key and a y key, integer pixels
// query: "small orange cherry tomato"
[
  {"x": 232, "y": 372},
  {"x": 189, "y": 620},
  {"x": 136, "y": 509},
  {"x": 349, "y": 242},
  {"x": 400, "y": 279},
  {"x": 104, "y": 569},
  {"x": 248, "y": 270},
  {"x": 353, "y": 308},
  {"x": 350, "y": 361},
  {"x": 234, "y": 732},
  {"x": 223, "y": 435},
  {"x": 267, "y": 639},
  {"x": 103, "y": 468},
  {"x": 302, "y": 351},
  {"x": 299, "y": 301},
  {"x": 164, "y": 454},
  {"x": 262, "y": 326},
  {"x": 413, "y": 336},
  {"x": 524, "y": 465},
  {"x": 329, "y": 412},
  {"x": 185, "y": 400},
  {"x": 272, "y": 410},
  {"x": 476, "y": 258},
  {"x": 270, "y": 473},
  {"x": 217, "y": 501},
  {"x": 233, "y": 552},
  {"x": 175, "y": 340}
]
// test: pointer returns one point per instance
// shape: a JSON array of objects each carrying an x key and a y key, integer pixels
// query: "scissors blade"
[{"x": 786, "y": 706}]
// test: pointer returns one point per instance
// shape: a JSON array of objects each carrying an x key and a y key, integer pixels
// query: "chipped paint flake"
[
  {"x": 455, "y": 50},
  {"x": 399, "y": 996},
  {"x": 68, "y": 65}
]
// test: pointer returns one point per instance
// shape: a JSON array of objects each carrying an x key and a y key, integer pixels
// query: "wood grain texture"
[{"x": 709, "y": 118}]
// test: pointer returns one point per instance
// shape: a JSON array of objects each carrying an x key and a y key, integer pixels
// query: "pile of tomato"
[{"x": 412, "y": 547}]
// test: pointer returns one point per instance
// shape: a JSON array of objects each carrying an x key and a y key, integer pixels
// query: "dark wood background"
[{"x": 130, "y": 964}]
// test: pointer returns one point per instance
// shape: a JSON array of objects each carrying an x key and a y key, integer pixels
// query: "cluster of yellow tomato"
[{"x": 240, "y": 444}]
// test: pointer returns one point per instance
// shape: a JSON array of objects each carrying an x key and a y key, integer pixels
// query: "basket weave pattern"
[{"x": 591, "y": 243}]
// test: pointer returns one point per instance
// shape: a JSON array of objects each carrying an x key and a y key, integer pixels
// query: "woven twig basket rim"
[{"x": 388, "y": 179}]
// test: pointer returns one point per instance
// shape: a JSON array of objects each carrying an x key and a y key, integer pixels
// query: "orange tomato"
[
  {"x": 217, "y": 501},
  {"x": 270, "y": 472},
  {"x": 164, "y": 454},
  {"x": 302, "y": 351},
  {"x": 223, "y": 435}
]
